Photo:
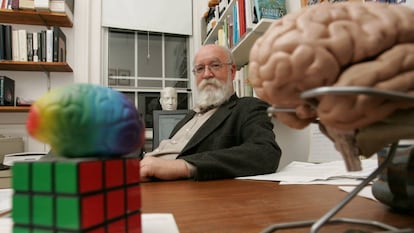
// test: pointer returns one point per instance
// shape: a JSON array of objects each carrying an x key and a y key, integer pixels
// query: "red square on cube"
[
  {"x": 98, "y": 230},
  {"x": 115, "y": 203},
  {"x": 114, "y": 173},
  {"x": 133, "y": 198},
  {"x": 134, "y": 223},
  {"x": 90, "y": 176},
  {"x": 117, "y": 226},
  {"x": 132, "y": 171},
  {"x": 92, "y": 211}
]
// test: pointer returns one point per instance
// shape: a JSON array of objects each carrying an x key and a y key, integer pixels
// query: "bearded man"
[{"x": 224, "y": 136}]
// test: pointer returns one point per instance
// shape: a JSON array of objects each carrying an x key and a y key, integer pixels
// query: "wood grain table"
[{"x": 251, "y": 206}]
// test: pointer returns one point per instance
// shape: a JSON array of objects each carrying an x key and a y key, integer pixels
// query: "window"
[{"x": 141, "y": 64}]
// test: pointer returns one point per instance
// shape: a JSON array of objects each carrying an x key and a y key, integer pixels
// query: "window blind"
[{"x": 168, "y": 16}]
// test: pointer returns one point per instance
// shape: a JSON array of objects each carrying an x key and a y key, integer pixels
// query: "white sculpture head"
[{"x": 168, "y": 99}]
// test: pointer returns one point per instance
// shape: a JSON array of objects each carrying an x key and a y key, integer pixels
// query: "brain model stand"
[{"x": 88, "y": 185}]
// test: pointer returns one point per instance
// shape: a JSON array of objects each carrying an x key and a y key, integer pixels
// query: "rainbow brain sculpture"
[{"x": 85, "y": 120}]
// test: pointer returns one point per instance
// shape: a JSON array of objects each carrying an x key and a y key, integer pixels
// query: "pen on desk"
[{"x": 5, "y": 213}]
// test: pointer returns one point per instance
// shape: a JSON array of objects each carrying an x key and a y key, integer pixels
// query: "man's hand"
[{"x": 153, "y": 167}]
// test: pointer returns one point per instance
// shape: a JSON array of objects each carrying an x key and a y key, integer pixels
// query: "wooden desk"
[{"x": 245, "y": 206}]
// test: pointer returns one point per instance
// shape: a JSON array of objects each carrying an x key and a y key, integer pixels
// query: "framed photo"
[
  {"x": 124, "y": 81},
  {"x": 111, "y": 81}
]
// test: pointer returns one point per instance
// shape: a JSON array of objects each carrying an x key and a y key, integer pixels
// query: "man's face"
[{"x": 214, "y": 76}]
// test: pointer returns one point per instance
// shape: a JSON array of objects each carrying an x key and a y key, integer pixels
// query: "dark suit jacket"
[{"x": 237, "y": 140}]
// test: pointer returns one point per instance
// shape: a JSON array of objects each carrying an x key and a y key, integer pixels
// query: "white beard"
[{"x": 211, "y": 92}]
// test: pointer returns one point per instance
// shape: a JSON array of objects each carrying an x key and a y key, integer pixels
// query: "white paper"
[
  {"x": 365, "y": 192},
  {"x": 304, "y": 172},
  {"x": 5, "y": 200},
  {"x": 159, "y": 223}
]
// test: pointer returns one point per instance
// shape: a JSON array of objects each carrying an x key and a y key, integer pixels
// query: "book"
[
  {"x": 270, "y": 9},
  {"x": 49, "y": 45},
  {"x": 59, "y": 45},
  {"x": 6, "y": 91},
  {"x": 8, "y": 42},
  {"x": 29, "y": 46},
  {"x": 15, "y": 4},
  {"x": 250, "y": 15},
  {"x": 63, "y": 6},
  {"x": 2, "y": 38},
  {"x": 26, "y": 4},
  {"x": 241, "y": 17},
  {"x": 22, "y": 45},
  {"x": 35, "y": 47},
  {"x": 15, "y": 45},
  {"x": 43, "y": 44},
  {"x": 42, "y": 5}
]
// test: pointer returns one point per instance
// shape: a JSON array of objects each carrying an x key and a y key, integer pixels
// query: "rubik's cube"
[{"x": 89, "y": 195}]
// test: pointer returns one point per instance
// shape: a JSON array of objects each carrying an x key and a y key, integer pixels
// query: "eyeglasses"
[{"x": 213, "y": 67}]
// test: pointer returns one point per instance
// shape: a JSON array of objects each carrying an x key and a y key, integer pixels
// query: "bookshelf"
[{"x": 28, "y": 17}]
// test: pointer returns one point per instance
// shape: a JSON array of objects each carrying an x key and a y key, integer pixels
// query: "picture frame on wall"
[
  {"x": 111, "y": 73},
  {"x": 124, "y": 81}
]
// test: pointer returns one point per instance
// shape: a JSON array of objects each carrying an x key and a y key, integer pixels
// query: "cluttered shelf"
[{"x": 35, "y": 18}]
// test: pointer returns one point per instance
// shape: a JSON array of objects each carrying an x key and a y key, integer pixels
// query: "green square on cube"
[
  {"x": 21, "y": 208},
  {"x": 42, "y": 177},
  {"x": 21, "y": 176},
  {"x": 43, "y": 210},
  {"x": 66, "y": 177},
  {"x": 67, "y": 213}
]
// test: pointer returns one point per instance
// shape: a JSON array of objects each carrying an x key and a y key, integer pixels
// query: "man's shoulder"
[{"x": 252, "y": 100}]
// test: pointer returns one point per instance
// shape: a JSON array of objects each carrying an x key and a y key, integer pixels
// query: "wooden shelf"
[
  {"x": 241, "y": 51},
  {"x": 35, "y": 18},
  {"x": 14, "y": 108},
  {"x": 35, "y": 66}
]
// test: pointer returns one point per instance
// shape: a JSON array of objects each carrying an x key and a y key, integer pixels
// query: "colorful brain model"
[
  {"x": 339, "y": 44},
  {"x": 85, "y": 120}
]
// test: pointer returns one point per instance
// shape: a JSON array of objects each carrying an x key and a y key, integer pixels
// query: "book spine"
[
  {"x": 8, "y": 42},
  {"x": 49, "y": 45},
  {"x": 15, "y": 45},
  {"x": 22, "y": 45},
  {"x": 35, "y": 47},
  {"x": 29, "y": 46},
  {"x": 15, "y": 4},
  {"x": 42, "y": 5},
  {"x": 2, "y": 38},
  {"x": 1, "y": 91},
  {"x": 56, "y": 34},
  {"x": 43, "y": 45}
]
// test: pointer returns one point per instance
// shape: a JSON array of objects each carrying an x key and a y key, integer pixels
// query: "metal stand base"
[{"x": 327, "y": 218}]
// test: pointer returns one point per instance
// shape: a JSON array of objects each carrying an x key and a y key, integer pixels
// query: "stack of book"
[{"x": 21, "y": 45}]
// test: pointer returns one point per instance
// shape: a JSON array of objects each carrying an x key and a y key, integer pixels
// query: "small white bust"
[{"x": 168, "y": 99}]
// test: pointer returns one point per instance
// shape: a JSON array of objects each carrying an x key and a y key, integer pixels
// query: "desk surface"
[{"x": 251, "y": 206}]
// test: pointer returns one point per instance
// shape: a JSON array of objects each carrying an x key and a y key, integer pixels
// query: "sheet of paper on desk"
[
  {"x": 5, "y": 200},
  {"x": 151, "y": 223},
  {"x": 157, "y": 223},
  {"x": 306, "y": 173}
]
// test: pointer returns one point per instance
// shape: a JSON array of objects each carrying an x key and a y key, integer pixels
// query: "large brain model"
[
  {"x": 340, "y": 44},
  {"x": 85, "y": 120}
]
